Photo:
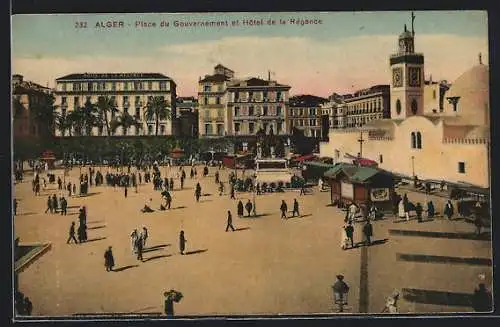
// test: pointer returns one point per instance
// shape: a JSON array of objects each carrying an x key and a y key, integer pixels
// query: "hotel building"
[
  {"x": 130, "y": 91},
  {"x": 187, "y": 116},
  {"x": 255, "y": 103},
  {"x": 305, "y": 113},
  {"x": 366, "y": 105},
  {"x": 214, "y": 119}
]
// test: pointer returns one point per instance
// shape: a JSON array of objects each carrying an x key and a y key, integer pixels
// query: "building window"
[
  {"x": 251, "y": 128},
  {"x": 419, "y": 140},
  {"x": 250, "y": 111},
  {"x": 208, "y": 129},
  {"x": 163, "y": 86},
  {"x": 279, "y": 127},
  {"x": 76, "y": 101},
  {"x": 380, "y": 158},
  {"x": 413, "y": 140},
  {"x": 278, "y": 96},
  {"x": 150, "y": 129},
  {"x": 461, "y": 167},
  {"x": 162, "y": 129},
  {"x": 64, "y": 101},
  {"x": 205, "y": 100},
  {"x": 220, "y": 129},
  {"x": 63, "y": 111},
  {"x": 150, "y": 85},
  {"x": 217, "y": 100},
  {"x": 89, "y": 86},
  {"x": 264, "y": 95},
  {"x": 278, "y": 110},
  {"x": 264, "y": 111},
  {"x": 236, "y": 96},
  {"x": 206, "y": 88},
  {"x": 237, "y": 127},
  {"x": 76, "y": 86},
  {"x": 398, "y": 107},
  {"x": 250, "y": 95},
  {"x": 236, "y": 111},
  {"x": 414, "y": 106},
  {"x": 434, "y": 94},
  {"x": 113, "y": 86},
  {"x": 125, "y": 86},
  {"x": 138, "y": 113}
]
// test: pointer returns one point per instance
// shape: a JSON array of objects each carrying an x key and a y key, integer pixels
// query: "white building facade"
[{"x": 130, "y": 92}]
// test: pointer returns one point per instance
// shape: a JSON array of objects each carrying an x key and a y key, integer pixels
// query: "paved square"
[{"x": 270, "y": 266}]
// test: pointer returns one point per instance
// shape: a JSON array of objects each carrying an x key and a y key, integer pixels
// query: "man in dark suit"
[
  {"x": 72, "y": 233},
  {"x": 229, "y": 221}
]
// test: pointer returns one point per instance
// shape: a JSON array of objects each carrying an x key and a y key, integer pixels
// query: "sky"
[{"x": 342, "y": 52}]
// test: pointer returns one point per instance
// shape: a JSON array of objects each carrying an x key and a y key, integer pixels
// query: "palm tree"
[
  {"x": 77, "y": 120},
  {"x": 90, "y": 117},
  {"x": 106, "y": 105},
  {"x": 63, "y": 123},
  {"x": 158, "y": 109},
  {"x": 126, "y": 121}
]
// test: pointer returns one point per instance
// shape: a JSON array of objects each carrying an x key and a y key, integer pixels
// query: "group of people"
[
  {"x": 347, "y": 235},
  {"x": 53, "y": 205},
  {"x": 139, "y": 241},
  {"x": 82, "y": 228}
]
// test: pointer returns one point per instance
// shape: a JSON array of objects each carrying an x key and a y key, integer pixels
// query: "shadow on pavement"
[
  {"x": 180, "y": 207},
  {"x": 125, "y": 268},
  {"x": 196, "y": 251},
  {"x": 97, "y": 227},
  {"x": 89, "y": 194},
  {"x": 256, "y": 216},
  {"x": 157, "y": 257},
  {"x": 155, "y": 248},
  {"x": 205, "y": 200},
  {"x": 448, "y": 235},
  {"x": 95, "y": 221},
  {"x": 240, "y": 229},
  {"x": 95, "y": 239},
  {"x": 444, "y": 259},
  {"x": 26, "y": 214},
  {"x": 206, "y": 194},
  {"x": 437, "y": 297},
  {"x": 375, "y": 242}
]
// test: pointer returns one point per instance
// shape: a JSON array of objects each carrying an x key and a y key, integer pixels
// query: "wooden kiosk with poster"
[{"x": 361, "y": 185}]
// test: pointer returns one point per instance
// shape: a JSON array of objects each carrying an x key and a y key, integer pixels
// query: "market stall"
[
  {"x": 312, "y": 171},
  {"x": 361, "y": 185}
]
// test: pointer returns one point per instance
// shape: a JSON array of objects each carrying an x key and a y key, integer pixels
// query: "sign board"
[
  {"x": 347, "y": 190},
  {"x": 379, "y": 194}
]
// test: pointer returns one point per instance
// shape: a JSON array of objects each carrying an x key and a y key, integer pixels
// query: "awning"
[
  {"x": 366, "y": 162},
  {"x": 355, "y": 173}
]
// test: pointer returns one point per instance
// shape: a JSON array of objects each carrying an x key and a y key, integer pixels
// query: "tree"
[
  {"x": 77, "y": 121},
  {"x": 90, "y": 117},
  {"x": 157, "y": 109},
  {"x": 63, "y": 123},
  {"x": 44, "y": 114},
  {"x": 126, "y": 121},
  {"x": 106, "y": 105}
]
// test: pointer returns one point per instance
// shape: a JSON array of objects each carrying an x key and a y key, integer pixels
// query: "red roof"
[
  {"x": 366, "y": 162},
  {"x": 306, "y": 157}
]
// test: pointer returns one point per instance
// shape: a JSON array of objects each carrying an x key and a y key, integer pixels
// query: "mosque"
[{"x": 451, "y": 145}]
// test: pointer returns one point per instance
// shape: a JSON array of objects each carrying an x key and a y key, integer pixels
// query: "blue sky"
[{"x": 54, "y": 37}]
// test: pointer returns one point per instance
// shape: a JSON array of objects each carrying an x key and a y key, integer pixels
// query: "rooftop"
[
  {"x": 253, "y": 81},
  {"x": 108, "y": 76},
  {"x": 215, "y": 78}
]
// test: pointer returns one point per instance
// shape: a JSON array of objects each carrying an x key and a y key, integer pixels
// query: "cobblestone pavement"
[{"x": 270, "y": 266}]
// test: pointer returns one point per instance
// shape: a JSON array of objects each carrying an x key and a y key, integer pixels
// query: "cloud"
[{"x": 308, "y": 65}]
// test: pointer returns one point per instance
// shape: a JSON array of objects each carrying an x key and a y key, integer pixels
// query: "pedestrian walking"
[
  {"x": 72, "y": 233},
  {"x": 109, "y": 260},
  {"x": 171, "y": 183},
  {"x": 295, "y": 208},
  {"x": 197, "y": 192},
  {"x": 14, "y": 206},
  {"x": 418, "y": 211},
  {"x": 477, "y": 222},
  {"x": 64, "y": 206},
  {"x": 240, "y": 210},
  {"x": 368, "y": 232},
  {"x": 343, "y": 237},
  {"x": 401, "y": 210},
  {"x": 216, "y": 177},
  {"x": 229, "y": 221},
  {"x": 139, "y": 246},
  {"x": 284, "y": 209},
  {"x": 353, "y": 210},
  {"x": 126, "y": 191},
  {"x": 80, "y": 232},
  {"x": 182, "y": 242},
  {"x": 49, "y": 205},
  {"x": 144, "y": 236},
  {"x": 448, "y": 210},
  {"x": 303, "y": 190},
  {"x": 232, "y": 193},
  {"x": 349, "y": 230},
  {"x": 249, "y": 206},
  {"x": 221, "y": 188},
  {"x": 430, "y": 210},
  {"x": 134, "y": 236},
  {"x": 182, "y": 182}
]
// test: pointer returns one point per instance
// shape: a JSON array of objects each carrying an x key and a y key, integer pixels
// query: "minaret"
[{"x": 407, "y": 87}]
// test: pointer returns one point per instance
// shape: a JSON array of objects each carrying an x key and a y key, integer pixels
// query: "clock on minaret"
[
  {"x": 397, "y": 77},
  {"x": 414, "y": 76}
]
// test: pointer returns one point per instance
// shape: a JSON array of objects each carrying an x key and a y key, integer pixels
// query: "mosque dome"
[{"x": 472, "y": 91}]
